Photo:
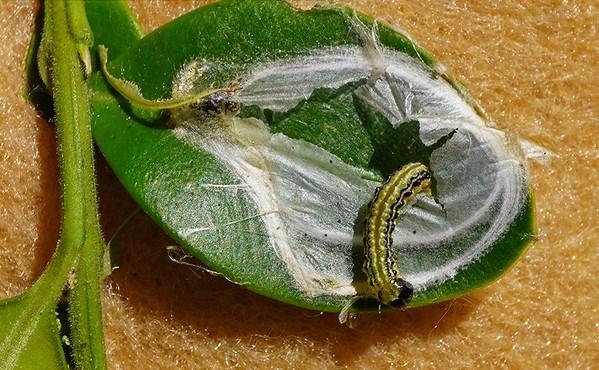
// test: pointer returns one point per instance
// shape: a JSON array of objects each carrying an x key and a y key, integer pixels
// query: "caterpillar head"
[{"x": 397, "y": 295}]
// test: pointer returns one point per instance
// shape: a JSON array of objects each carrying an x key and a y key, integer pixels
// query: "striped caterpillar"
[{"x": 380, "y": 265}]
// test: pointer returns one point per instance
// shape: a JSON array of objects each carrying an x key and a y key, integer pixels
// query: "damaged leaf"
[{"x": 273, "y": 193}]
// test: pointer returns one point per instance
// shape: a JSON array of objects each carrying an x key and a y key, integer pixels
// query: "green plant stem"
[
  {"x": 70, "y": 95},
  {"x": 84, "y": 295},
  {"x": 80, "y": 250},
  {"x": 28, "y": 312}
]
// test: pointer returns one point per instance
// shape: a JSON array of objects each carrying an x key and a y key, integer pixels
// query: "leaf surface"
[{"x": 275, "y": 197}]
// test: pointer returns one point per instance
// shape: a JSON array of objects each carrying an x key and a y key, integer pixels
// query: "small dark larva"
[
  {"x": 221, "y": 102},
  {"x": 380, "y": 266},
  {"x": 218, "y": 103}
]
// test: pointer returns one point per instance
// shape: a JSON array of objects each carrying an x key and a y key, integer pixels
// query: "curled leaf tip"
[{"x": 132, "y": 92}]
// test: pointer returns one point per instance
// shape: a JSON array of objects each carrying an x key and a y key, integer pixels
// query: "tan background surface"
[{"x": 533, "y": 65}]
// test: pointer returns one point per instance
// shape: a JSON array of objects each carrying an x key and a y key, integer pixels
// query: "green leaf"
[
  {"x": 29, "y": 334},
  {"x": 275, "y": 197}
]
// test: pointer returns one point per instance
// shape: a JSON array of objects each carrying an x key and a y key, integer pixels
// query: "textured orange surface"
[{"x": 533, "y": 66}]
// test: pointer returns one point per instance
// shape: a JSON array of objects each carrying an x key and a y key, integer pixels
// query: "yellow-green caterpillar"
[{"x": 380, "y": 265}]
